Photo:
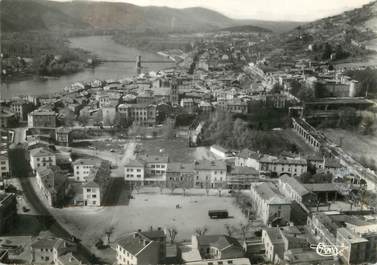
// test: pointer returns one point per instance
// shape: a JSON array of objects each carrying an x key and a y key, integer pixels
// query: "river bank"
[{"x": 101, "y": 46}]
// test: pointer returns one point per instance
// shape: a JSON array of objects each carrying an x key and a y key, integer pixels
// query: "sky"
[{"x": 294, "y": 10}]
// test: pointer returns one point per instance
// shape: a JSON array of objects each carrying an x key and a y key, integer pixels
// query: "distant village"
[{"x": 301, "y": 200}]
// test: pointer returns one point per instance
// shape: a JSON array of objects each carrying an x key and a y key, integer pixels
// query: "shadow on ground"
[{"x": 118, "y": 193}]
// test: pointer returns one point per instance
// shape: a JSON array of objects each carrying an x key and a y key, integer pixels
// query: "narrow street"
[{"x": 18, "y": 161}]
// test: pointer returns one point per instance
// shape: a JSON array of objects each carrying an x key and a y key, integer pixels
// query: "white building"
[
  {"x": 280, "y": 166},
  {"x": 220, "y": 151},
  {"x": 141, "y": 248},
  {"x": 209, "y": 174},
  {"x": 4, "y": 165},
  {"x": 270, "y": 205},
  {"x": 41, "y": 158},
  {"x": 96, "y": 186},
  {"x": 273, "y": 243},
  {"x": 134, "y": 170},
  {"x": 155, "y": 168},
  {"x": 247, "y": 158},
  {"x": 81, "y": 168}
]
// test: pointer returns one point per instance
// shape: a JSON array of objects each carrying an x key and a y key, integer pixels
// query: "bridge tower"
[{"x": 138, "y": 65}]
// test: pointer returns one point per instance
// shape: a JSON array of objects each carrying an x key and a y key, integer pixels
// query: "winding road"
[{"x": 19, "y": 154}]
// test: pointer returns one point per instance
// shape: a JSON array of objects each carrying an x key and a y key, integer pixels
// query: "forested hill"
[{"x": 25, "y": 15}]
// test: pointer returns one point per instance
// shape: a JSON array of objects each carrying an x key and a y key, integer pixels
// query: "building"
[
  {"x": 42, "y": 118},
  {"x": 241, "y": 178},
  {"x": 180, "y": 175},
  {"x": 188, "y": 105},
  {"x": 155, "y": 168},
  {"x": 41, "y": 158},
  {"x": 210, "y": 174},
  {"x": 292, "y": 189},
  {"x": 4, "y": 165},
  {"x": 8, "y": 211},
  {"x": 7, "y": 119},
  {"x": 270, "y": 205},
  {"x": 108, "y": 114},
  {"x": 50, "y": 250},
  {"x": 63, "y": 136},
  {"x": 205, "y": 106},
  {"x": 68, "y": 259},
  {"x": 141, "y": 248},
  {"x": 134, "y": 171},
  {"x": 308, "y": 133},
  {"x": 21, "y": 109},
  {"x": 220, "y": 151},
  {"x": 217, "y": 247},
  {"x": 273, "y": 244},
  {"x": 247, "y": 158},
  {"x": 52, "y": 183},
  {"x": 141, "y": 114},
  {"x": 174, "y": 93},
  {"x": 96, "y": 186},
  {"x": 82, "y": 167},
  {"x": 282, "y": 166},
  {"x": 233, "y": 106},
  {"x": 357, "y": 234}
]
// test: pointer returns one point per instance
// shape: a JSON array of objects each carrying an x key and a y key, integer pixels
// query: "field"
[
  {"x": 176, "y": 148},
  {"x": 354, "y": 143}
]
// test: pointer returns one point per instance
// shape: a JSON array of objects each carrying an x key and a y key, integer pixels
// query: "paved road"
[{"x": 19, "y": 154}]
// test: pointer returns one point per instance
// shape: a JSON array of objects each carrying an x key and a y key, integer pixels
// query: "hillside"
[
  {"x": 275, "y": 26},
  {"x": 25, "y": 15},
  {"x": 246, "y": 29},
  {"x": 22, "y": 15},
  {"x": 338, "y": 38}
]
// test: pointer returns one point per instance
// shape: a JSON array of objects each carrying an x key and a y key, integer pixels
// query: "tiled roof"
[
  {"x": 135, "y": 163},
  {"x": 210, "y": 165},
  {"x": 41, "y": 152},
  {"x": 87, "y": 161},
  {"x": 244, "y": 171},
  {"x": 180, "y": 167},
  {"x": 297, "y": 186},
  {"x": 155, "y": 158},
  {"x": 270, "y": 193},
  {"x": 134, "y": 243}
]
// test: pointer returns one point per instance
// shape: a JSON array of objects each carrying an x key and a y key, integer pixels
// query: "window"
[
  {"x": 138, "y": 170},
  {"x": 139, "y": 176},
  {"x": 88, "y": 190},
  {"x": 94, "y": 196}
]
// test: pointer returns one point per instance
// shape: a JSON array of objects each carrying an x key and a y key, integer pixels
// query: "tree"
[
  {"x": 171, "y": 186},
  {"x": 207, "y": 185},
  {"x": 244, "y": 229},
  {"x": 327, "y": 51},
  {"x": 161, "y": 185},
  {"x": 229, "y": 229},
  {"x": 84, "y": 119},
  {"x": 186, "y": 182},
  {"x": 108, "y": 232},
  {"x": 306, "y": 94},
  {"x": 220, "y": 186},
  {"x": 201, "y": 231},
  {"x": 172, "y": 233}
]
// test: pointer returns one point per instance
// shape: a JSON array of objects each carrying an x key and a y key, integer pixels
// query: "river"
[{"x": 103, "y": 47}]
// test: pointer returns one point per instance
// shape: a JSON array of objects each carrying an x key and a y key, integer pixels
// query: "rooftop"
[
  {"x": 294, "y": 184},
  {"x": 210, "y": 165},
  {"x": 269, "y": 193}
]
